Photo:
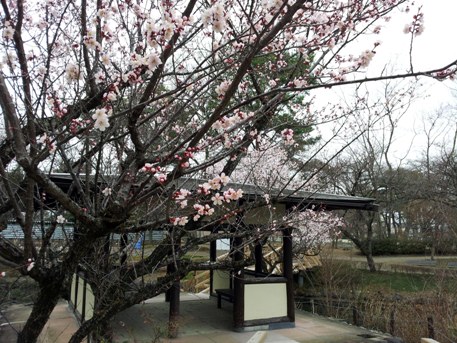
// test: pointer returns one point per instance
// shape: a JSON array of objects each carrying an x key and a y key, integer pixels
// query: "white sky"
[{"x": 434, "y": 48}]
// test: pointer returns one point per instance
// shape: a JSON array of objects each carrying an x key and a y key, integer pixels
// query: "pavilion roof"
[{"x": 251, "y": 192}]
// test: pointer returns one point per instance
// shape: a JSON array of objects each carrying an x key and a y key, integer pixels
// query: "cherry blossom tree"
[{"x": 131, "y": 97}]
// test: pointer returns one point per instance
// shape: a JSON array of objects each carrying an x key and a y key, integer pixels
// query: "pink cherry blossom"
[
  {"x": 222, "y": 88},
  {"x": 161, "y": 177},
  {"x": 179, "y": 221},
  {"x": 288, "y": 136}
]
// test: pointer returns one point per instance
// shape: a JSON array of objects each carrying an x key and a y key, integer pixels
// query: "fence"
[
  {"x": 14, "y": 231},
  {"x": 65, "y": 232},
  {"x": 410, "y": 320}
]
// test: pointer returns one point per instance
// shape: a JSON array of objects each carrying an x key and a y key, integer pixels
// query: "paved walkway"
[
  {"x": 58, "y": 329},
  {"x": 201, "y": 322}
]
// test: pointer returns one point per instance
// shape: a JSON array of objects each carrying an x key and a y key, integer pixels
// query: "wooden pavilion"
[{"x": 260, "y": 300}]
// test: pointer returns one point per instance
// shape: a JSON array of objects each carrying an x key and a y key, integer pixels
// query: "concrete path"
[
  {"x": 201, "y": 322},
  {"x": 58, "y": 329}
]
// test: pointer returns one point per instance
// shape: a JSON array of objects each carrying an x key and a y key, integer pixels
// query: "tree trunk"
[
  {"x": 48, "y": 297},
  {"x": 364, "y": 247},
  {"x": 371, "y": 264},
  {"x": 369, "y": 245}
]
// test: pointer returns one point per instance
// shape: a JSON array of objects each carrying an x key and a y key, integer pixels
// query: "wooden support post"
[
  {"x": 212, "y": 258},
  {"x": 288, "y": 271},
  {"x": 258, "y": 254},
  {"x": 355, "y": 316},
  {"x": 83, "y": 310},
  {"x": 75, "y": 302},
  {"x": 238, "y": 286},
  {"x": 431, "y": 328}
]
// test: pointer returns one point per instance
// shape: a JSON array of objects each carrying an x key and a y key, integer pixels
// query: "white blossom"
[
  {"x": 72, "y": 72},
  {"x": 152, "y": 61},
  {"x": 222, "y": 88},
  {"x": 8, "y": 32},
  {"x": 30, "y": 265},
  {"x": 217, "y": 199}
]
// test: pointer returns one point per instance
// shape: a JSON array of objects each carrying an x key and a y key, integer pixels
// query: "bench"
[{"x": 226, "y": 294}]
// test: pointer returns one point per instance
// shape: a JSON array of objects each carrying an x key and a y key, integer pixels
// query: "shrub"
[{"x": 391, "y": 246}]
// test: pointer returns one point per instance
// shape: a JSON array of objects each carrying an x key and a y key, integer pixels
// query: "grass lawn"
[
  {"x": 343, "y": 275},
  {"x": 395, "y": 282}
]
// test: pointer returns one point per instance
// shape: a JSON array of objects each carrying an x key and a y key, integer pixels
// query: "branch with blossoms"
[{"x": 131, "y": 97}]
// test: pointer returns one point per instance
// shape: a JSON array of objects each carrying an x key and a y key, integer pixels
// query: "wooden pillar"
[
  {"x": 75, "y": 303},
  {"x": 258, "y": 255},
  {"x": 212, "y": 258},
  {"x": 238, "y": 285},
  {"x": 83, "y": 310},
  {"x": 288, "y": 271}
]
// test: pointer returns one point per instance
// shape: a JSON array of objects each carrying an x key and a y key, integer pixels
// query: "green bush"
[
  {"x": 389, "y": 246},
  {"x": 446, "y": 247}
]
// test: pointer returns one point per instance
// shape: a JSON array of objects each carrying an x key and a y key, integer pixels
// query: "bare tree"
[
  {"x": 432, "y": 213},
  {"x": 367, "y": 169}
]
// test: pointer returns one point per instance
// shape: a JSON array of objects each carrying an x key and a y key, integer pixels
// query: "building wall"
[
  {"x": 221, "y": 279},
  {"x": 262, "y": 301},
  {"x": 79, "y": 304}
]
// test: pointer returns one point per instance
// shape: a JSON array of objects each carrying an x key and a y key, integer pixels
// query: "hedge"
[{"x": 392, "y": 246}]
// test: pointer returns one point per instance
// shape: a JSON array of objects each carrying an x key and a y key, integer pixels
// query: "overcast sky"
[
  {"x": 436, "y": 45},
  {"x": 434, "y": 48}
]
